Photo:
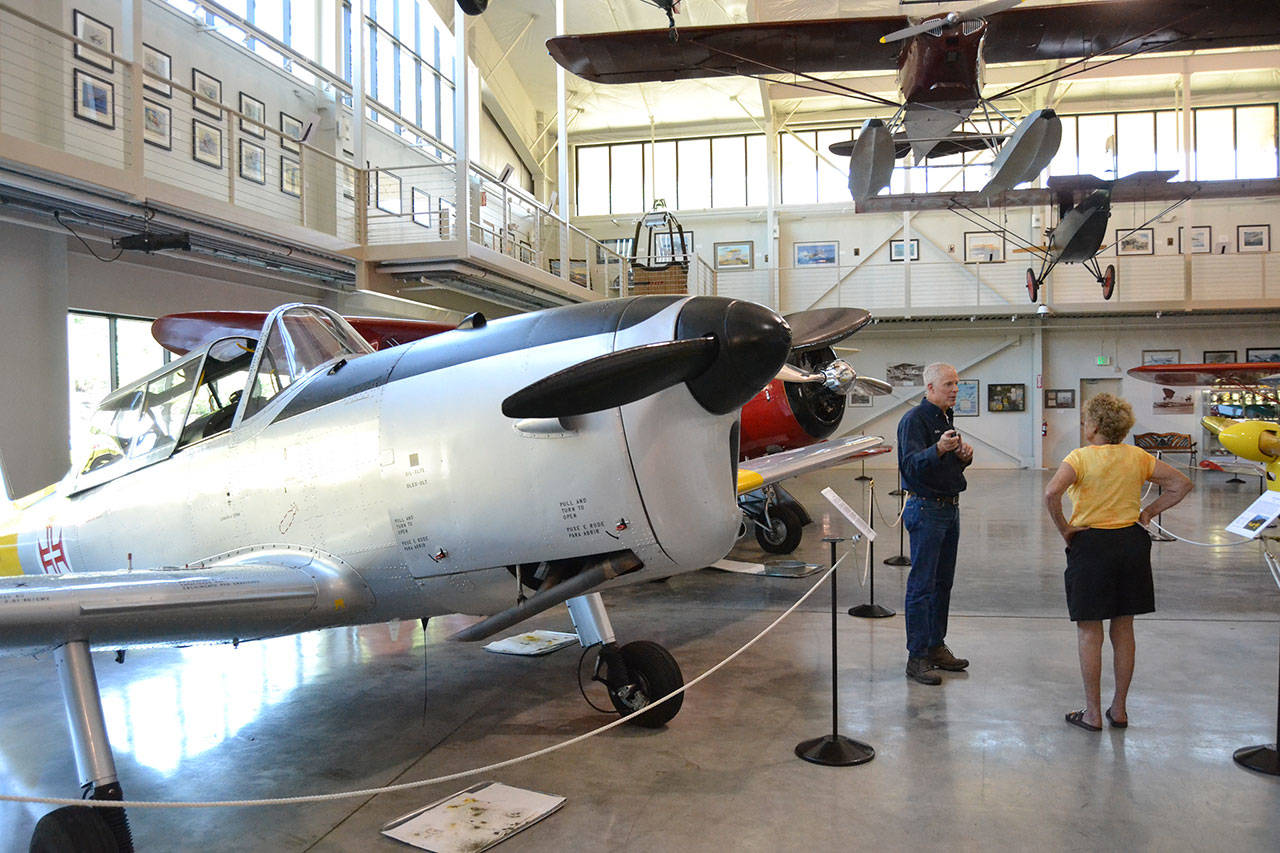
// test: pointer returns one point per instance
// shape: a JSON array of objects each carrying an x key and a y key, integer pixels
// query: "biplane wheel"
[
  {"x": 1108, "y": 281},
  {"x": 653, "y": 674},
  {"x": 473, "y": 7},
  {"x": 1033, "y": 285},
  {"x": 783, "y": 533},
  {"x": 78, "y": 828}
]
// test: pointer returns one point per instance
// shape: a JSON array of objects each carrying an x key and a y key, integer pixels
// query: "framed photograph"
[
  {"x": 206, "y": 143},
  {"x": 159, "y": 68},
  {"x": 1006, "y": 397},
  {"x": 1262, "y": 354},
  {"x": 447, "y": 209},
  {"x": 96, "y": 33},
  {"x": 157, "y": 124},
  {"x": 253, "y": 109},
  {"x": 1061, "y": 398},
  {"x": 1200, "y": 237},
  {"x": 420, "y": 203},
  {"x": 816, "y": 254},
  {"x": 206, "y": 87},
  {"x": 966, "y": 399},
  {"x": 735, "y": 256},
  {"x": 290, "y": 176},
  {"x": 95, "y": 99},
  {"x": 905, "y": 374},
  {"x": 898, "y": 249},
  {"x": 578, "y": 271},
  {"x": 1161, "y": 356},
  {"x": 290, "y": 133},
  {"x": 1139, "y": 241},
  {"x": 860, "y": 399},
  {"x": 1253, "y": 238},
  {"x": 387, "y": 193},
  {"x": 253, "y": 162},
  {"x": 620, "y": 245},
  {"x": 983, "y": 247},
  {"x": 1219, "y": 356},
  {"x": 664, "y": 241}
]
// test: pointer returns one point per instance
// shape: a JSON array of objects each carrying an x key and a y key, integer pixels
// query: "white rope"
[
  {"x": 1168, "y": 532},
  {"x": 406, "y": 786}
]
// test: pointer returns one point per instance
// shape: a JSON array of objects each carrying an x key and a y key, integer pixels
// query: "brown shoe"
[
  {"x": 919, "y": 669},
  {"x": 941, "y": 657}
]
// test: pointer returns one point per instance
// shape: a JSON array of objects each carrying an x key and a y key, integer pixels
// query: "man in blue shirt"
[{"x": 931, "y": 460}]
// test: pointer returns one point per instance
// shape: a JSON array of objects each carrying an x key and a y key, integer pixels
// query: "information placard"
[
  {"x": 849, "y": 513},
  {"x": 1255, "y": 519}
]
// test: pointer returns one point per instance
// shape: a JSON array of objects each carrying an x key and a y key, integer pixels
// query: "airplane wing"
[
  {"x": 1247, "y": 373},
  {"x": 1067, "y": 31},
  {"x": 757, "y": 473},
  {"x": 181, "y": 333},
  {"x": 240, "y": 596},
  {"x": 1251, "y": 469}
]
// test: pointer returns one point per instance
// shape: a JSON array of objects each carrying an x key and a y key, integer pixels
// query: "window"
[
  {"x": 1256, "y": 142},
  {"x": 693, "y": 168}
]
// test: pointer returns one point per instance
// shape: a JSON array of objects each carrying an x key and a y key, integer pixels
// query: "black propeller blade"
[
  {"x": 823, "y": 327},
  {"x": 613, "y": 379}
]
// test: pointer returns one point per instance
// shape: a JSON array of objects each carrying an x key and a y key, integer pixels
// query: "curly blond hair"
[{"x": 1112, "y": 416}]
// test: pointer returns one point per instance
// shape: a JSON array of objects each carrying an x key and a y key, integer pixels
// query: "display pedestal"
[{"x": 871, "y": 610}]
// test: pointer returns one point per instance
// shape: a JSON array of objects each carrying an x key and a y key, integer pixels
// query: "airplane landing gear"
[
  {"x": 634, "y": 674},
  {"x": 777, "y": 518},
  {"x": 1033, "y": 284},
  {"x": 1108, "y": 281}
]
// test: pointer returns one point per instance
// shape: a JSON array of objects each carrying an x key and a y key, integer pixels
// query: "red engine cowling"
[{"x": 786, "y": 415}]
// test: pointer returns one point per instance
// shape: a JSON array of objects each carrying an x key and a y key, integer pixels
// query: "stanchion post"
[
  {"x": 835, "y": 750},
  {"x": 1265, "y": 757},
  {"x": 1159, "y": 535},
  {"x": 863, "y": 469},
  {"x": 871, "y": 610},
  {"x": 900, "y": 558}
]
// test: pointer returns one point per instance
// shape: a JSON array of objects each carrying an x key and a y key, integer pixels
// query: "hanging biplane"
[
  {"x": 939, "y": 66},
  {"x": 292, "y": 478}
]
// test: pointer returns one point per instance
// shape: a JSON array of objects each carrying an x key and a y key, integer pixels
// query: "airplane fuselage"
[{"x": 1080, "y": 232}]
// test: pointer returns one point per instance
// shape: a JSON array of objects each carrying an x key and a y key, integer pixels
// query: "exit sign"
[{"x": 1104, "y": 360}]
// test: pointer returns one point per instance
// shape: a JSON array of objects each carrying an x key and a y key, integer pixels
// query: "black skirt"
[{"x": 1109, "y": 574}]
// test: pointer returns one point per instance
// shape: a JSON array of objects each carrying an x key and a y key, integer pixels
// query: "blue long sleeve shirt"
[{"x": 923, "y": 471}]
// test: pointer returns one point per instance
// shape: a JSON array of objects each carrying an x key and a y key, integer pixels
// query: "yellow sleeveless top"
[{"x": 1107, "y": 492}]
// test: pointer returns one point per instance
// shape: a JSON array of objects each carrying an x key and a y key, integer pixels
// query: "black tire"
[
  {"x": 77, "y": 828},
  {"x": 784, "y": 532},
  {"x": 1108, "y": 281},
  {"x": 655, "y": 673},
  {"x": 473, "y": 7}
]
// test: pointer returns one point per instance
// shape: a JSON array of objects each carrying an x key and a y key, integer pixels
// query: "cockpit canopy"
[{"x": 210, "y": 390}]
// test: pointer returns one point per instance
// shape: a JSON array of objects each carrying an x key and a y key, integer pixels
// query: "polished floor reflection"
[{"x": 982, "y": 762}]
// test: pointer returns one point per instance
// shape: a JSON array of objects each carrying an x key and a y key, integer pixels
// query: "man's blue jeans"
[{"x": 935, "y": 533}]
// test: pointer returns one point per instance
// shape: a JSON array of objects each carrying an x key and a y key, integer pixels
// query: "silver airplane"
[{"x": 296, "y": 479}]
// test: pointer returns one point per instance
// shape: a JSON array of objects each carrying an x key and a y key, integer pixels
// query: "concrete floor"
[{"x": 984, "y": 762}]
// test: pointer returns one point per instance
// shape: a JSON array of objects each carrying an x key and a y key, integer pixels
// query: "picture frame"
[
  {"x": 1262, "y": 354},
  {"x": 860, "y": 399},
  {"x": 447, "y": 209},
  {"x": 1200, "y": 237},
  {"x": 1005, "y": 397},
  {"x": 253, "y": 109},
  {"x": 620, "y": 245},
  {"x": 290, "y": 133},
  {"x": 207, "y": 86},
  {"x": 253, "y": 162},
  {"x": 735, "y": 255},
  {"x": 1220, "y": 356},
  {"x": 905, "y": 374},
  {"x": 290, "y": 176},
  {"x": 664, "y": 243},
  {"x": 160, "y": 64},
  {"x": 821, "y": 253},
  {"x": 93, "y": 99},
  {"x": 898, "y": 250},
  {"x": 983, "y": 247},
  {"x": 95, "y": 32},
  {"x": 420, "y": 206},
  {"x": 578, "y": 271},
  {"x": 966, "y": 405},
  {"x": 1135, "y": 241},
  {"x": 206, "y": 143},
  {"x": 1161, "y": 356},
  {"x": 1059, "y": 398},
  {"x": 1253, "y": 238},
  {"x": 387, "y": 193},
  {"x": 157, "y": 124}
]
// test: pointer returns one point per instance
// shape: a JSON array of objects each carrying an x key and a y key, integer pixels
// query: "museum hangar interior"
[{"x": 166, "y": 157}]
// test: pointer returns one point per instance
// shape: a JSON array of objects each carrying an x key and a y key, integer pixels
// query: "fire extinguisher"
[{"x": 1044, "y": 428}]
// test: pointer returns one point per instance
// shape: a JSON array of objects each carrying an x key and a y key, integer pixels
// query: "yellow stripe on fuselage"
[
  {"x": 748, "y": 481},
  {"x": 9, "y": 564}
]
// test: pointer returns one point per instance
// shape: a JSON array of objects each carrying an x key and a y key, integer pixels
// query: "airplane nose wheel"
[
  {"x": 1108, "y": 281},
  {"x": 782, "y": 533},
  {"x": 636, "y": 674}
]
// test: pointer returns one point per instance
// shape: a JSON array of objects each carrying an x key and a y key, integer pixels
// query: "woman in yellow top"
[{"x": 1108, "y": 552}]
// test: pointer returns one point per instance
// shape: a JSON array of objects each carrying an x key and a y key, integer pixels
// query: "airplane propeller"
[
  {"x": 977, "y": 13},
  {"x": 823, "y": 327},
  {"x": 839, "y": 376}
]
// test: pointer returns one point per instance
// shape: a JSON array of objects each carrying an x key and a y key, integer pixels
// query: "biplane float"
[{"x": 294, "y": 478}]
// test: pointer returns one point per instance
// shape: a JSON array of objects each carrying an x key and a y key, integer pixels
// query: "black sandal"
[
  {"x": 1115, "y": 724},
  {"x": 1076, "y": 718}
]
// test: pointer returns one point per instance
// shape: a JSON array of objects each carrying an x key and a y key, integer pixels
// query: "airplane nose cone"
[{"x": 753, "y": 345}]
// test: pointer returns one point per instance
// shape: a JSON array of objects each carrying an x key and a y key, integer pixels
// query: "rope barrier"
[
  {"x": 422, "y": 783},
  {"x": 1168, "y": 532}
]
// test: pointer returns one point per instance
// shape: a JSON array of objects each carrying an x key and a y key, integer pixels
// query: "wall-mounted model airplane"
[
  {"x": 294, "y": 478},
  {"x": 939, "y": 67}
]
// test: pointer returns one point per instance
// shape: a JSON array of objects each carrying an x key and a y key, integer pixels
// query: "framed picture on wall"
[
  {"x": 1006, "y": 397},
  {"x": 94, "y": 99},
  {"x": 98, "y": 34},
  {"x": 290, "y": 176},
  {"x": 1219, "y": 356},
  {"x": 897, "y": 249},
  {"x": 983, "y": 247},
  {"x": 206, "y": 144},
  {"x": 1262, "y": 354},
  {"x": 157, "y": 121},
  {"x": 1200, "y": 237},
  {"x": 1059, "y": 398},
  {"x": 253, "y": 162},
  {"x": 668, "y": 246},
  {"x": 816, "y": 254},
  {"x": 860, "y": 399},
  {"x": 290, "y": 133},
  {"x": 1253, "y": 238},
  {"x": 1136, "y": 241},
  {"x": 387, "y": 187},
  {"x": 735, "y": 256},
  {"x": 208, "y": 87},
  {"x": 256, "y": 112},
  {"x": 1161, "y": 356},
  {"x": 158, "y": 67},
  {"x": 966, "y": 399}
]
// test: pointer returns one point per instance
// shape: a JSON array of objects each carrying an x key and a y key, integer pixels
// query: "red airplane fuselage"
[{"x": 944, "y": 64}]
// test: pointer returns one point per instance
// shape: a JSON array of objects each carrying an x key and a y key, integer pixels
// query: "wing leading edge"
[{"x": 757, "y": 473}]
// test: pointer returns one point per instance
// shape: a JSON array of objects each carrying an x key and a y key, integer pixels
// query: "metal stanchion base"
[
  {"x": 864, "y": 477},
  {"x": 898, "y": 560},
  {"x": 835, "y": 751},
  {"x": 1263, "y": 758},
  {"x": 870, "y": 611},
  {"x": 1234, "y": 480}
]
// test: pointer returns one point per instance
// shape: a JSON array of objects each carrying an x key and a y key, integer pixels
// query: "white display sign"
[
  {"x": 1255, "y": 519},
  {"x": 849, "y": 513}
]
